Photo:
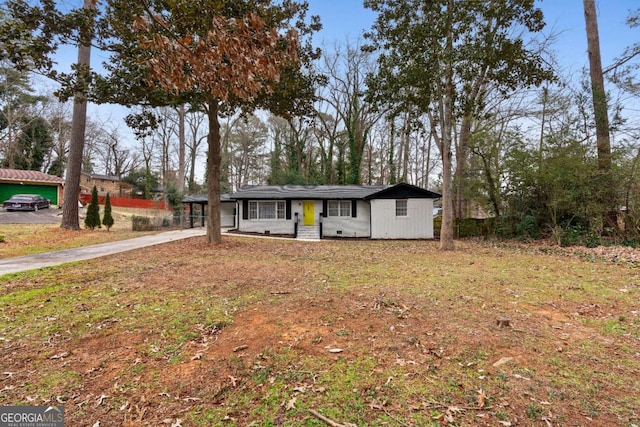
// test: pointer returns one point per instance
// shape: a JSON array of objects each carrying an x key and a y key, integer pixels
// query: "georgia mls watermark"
[{"x": 31, "y": 416}]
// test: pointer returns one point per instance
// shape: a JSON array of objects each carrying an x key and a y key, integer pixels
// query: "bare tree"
[
  {"x": 58, "y": 116},
  {"x": 345, "y": 94},
  {"x": 18, "y": 106},
  {"x": 182, "y": 147},
  {"x": 330, "y": 137},
  {"x": 244, "y": 158},
  {"x": 196, "y": 124},
  {"x": 294, "y": 158},
  {"x": 167, "y": 135}
]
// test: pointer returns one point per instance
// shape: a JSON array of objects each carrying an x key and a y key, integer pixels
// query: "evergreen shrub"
[{"x": 92, "y": 218}]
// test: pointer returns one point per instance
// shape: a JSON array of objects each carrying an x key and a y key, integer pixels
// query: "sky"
[{"x": 347, "y": 20}]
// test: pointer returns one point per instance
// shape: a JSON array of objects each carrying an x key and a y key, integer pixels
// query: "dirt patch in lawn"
[{"x": 266, "y": 332}]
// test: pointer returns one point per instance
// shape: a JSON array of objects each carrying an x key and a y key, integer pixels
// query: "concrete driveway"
[
  {"x": 42, "y": 216},
  {"x": 33, "y": 262}
]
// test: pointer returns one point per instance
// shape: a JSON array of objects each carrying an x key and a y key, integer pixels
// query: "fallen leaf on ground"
[
  {"x": 481, "y": 398},
  {"x": 502, "y": 361},
  {"x": 291, "y": 404}
]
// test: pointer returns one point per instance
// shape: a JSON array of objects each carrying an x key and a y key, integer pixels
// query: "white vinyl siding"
[
  {"x": 249, "y": 220},
  {"x": 339, "y": 207},
  {"x": 227, "y": 214},
  {"x": 417, "y": 224},
  {"x": 348, "y": 226},
  {"x": 267, "y": 210}
]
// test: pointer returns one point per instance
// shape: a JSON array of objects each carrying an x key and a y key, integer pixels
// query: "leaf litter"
[{"x": 430, "y": 337}]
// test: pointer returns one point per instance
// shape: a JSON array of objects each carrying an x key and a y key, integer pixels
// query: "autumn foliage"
[
  {"x": 225, "y": 62},
  {"x": 236, "y": 57}
]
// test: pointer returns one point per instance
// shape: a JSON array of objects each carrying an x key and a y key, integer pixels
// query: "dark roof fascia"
[
  {"x": 106, "y": 177},
  {"x": 404, "y": 191},
  {"x": 204, "y": 198}
]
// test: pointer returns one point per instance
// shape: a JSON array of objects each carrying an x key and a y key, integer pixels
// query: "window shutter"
[
  {"x": 245, "y": 209},
  {"x": 288, "y": 209},
  {"x": 325, "y": 208},
  {"x": 354, "y": 205}
]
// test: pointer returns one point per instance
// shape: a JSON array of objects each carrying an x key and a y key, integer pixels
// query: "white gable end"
[{"x": 416, "y": 224}]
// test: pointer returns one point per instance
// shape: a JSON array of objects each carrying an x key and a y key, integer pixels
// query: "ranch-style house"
[{"x": 400, "y": 211}]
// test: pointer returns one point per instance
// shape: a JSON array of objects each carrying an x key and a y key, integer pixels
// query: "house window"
[
  {"x": 267, "y": 210},
  {"x": 401, "y": 207},
  {"x": 339, "y": 208}
]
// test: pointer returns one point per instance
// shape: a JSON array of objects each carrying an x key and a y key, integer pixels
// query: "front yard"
[
  {"x": 367, "y": 333},
  {"x": 28, "y": 239}
]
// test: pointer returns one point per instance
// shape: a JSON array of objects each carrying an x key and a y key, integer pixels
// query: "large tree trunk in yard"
[
  {"x": 603, "y": 141},
  {"x": 70, "y": 217},
  {"x": 446, "y": 229},
  {"x": 214, "y": 160},
  {"x": 462, "y": 158},
  {"x": 606, "y": 197}
]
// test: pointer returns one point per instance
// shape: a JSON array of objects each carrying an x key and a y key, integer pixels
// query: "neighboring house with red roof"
[{"x": 15, "y": 181}]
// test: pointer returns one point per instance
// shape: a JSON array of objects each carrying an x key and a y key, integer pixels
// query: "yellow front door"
[{"x": 307, "y": 213}]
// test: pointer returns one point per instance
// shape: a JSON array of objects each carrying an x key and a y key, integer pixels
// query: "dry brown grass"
[
  {"x": 25, "y": 239},
  {"x": 260, "y": 332}
]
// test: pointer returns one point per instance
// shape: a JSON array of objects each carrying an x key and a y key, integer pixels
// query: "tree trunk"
[
  {"x": 181, "y": 149},
  {"x": 545, "y": 99},
  {"x": 603, "y": 141},
  {"x": 605, "y": 196},
  {"x": 446, "y": 229},
  {"x": 214, "y": 160},
  {"x": 391, "y": 159},
  {"x": 406, "y": 147},
  {"x": 70, "y": 217},
  {"x": 427, "y": 167},
  {"x": 9, "y": 158},
  {"x": 462, "y": 158},
  {"x": 492, "y": 189},
  {"x": 192, "y": 170}
]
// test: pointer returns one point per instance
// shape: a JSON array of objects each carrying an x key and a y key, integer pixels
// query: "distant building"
[
  {"x": 15, "y": 181},
  {"x": 104, "y": 184}
]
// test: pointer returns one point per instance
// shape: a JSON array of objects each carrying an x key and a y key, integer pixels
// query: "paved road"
[
  {"x": 42, "y": 216},
  {"x": 32, "y": 262}
]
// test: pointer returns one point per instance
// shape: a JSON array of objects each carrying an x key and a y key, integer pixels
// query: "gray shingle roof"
[
  {"x": 318, "y": 192},
  {"x": 203, "y": 198},
  {"x": 99, "y": 176},
  {"x": 334, "y": 192}
]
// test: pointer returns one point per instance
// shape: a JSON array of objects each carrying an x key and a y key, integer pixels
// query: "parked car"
[{"x": 26, "y": 202}]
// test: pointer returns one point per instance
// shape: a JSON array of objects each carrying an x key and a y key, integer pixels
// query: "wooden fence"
[{"x": 125, "y": 202}]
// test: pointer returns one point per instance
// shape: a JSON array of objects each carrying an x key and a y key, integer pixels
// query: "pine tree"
[
  {"x": 92, "y": 219},
  {"x": 107, "y": 219}
]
